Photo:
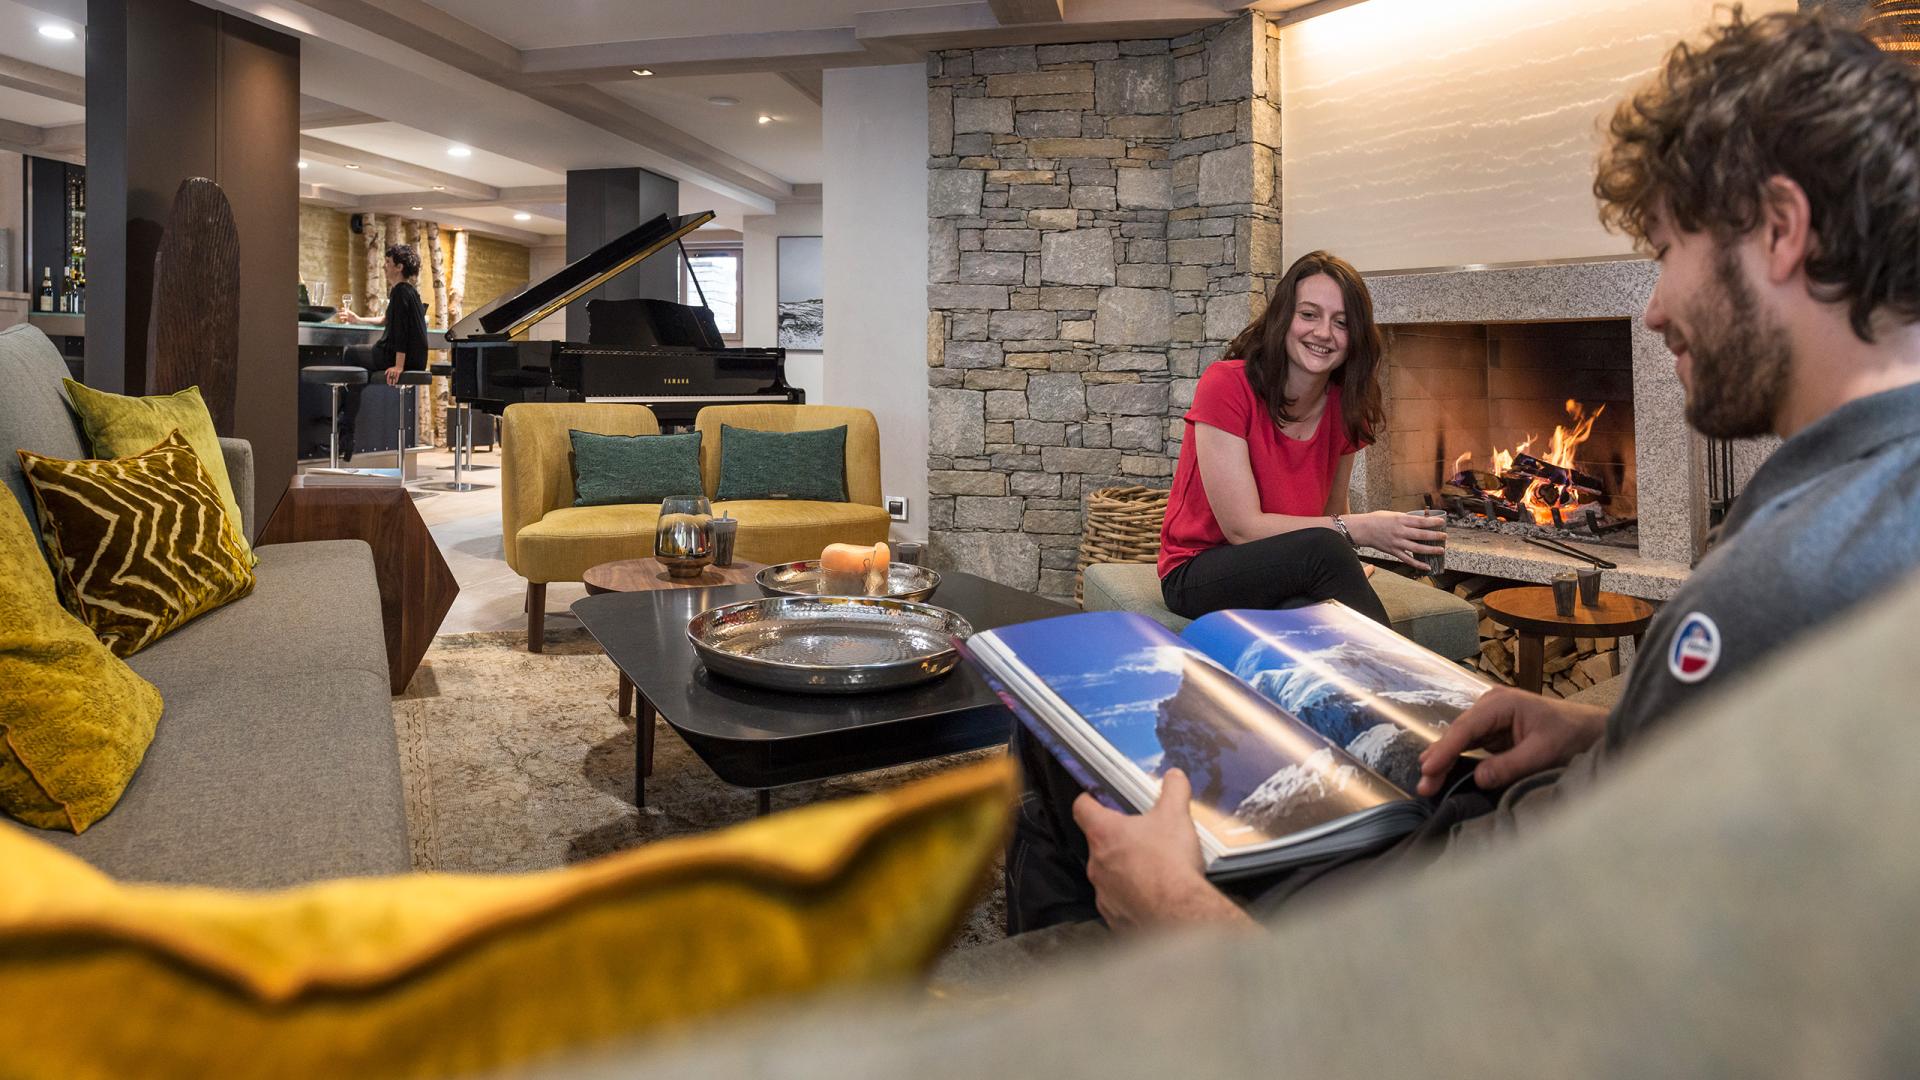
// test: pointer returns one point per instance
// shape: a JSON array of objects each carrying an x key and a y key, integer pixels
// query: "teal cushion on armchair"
[
  {"x": 809, "y": 465},
  {"x": 614, "y": 470}
]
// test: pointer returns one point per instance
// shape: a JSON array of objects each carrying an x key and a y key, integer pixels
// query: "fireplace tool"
[{"x": 1568, "y": 549}]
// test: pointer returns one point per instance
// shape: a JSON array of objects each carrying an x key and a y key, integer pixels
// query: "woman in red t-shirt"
[{"x": 1258, "y": 513}]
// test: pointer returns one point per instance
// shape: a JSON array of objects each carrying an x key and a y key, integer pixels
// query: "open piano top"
[{"x": 667, "y": 356}]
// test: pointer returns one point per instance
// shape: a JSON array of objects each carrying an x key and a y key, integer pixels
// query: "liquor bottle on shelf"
[{"x": 46, "y": 288}]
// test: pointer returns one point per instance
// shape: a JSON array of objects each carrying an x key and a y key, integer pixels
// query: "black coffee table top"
[{"x": 760, "y": 738}]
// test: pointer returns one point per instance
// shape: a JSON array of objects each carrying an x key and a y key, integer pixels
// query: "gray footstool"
[{"x": 1432, "y": 617}]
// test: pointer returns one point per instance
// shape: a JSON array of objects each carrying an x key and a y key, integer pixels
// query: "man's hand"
[
  {"x": 1146, "y": 868},
  {"x": 393, "y": 375},
  {"x": 1528, "y": 733}
]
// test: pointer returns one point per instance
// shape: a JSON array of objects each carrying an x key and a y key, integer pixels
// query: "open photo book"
[{"x": 1300, "y": 730}]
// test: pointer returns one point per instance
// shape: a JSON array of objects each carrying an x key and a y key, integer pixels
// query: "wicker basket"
[{"x": 1122, "y": 526}]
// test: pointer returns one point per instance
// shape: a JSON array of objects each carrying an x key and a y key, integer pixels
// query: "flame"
[{"x": 1560, "y": 452}]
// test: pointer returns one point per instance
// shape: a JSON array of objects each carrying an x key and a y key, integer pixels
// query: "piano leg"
[{"x": 536, "y": 616}]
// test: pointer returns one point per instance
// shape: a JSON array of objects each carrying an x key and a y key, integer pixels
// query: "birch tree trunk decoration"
[
  {"x": 441, "y": 400},
  {"x": 372, "y": 292},
  {"x": 457, "y": 287}
]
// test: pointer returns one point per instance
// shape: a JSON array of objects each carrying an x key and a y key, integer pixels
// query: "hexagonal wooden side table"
[{"x": 416, "y": 587}]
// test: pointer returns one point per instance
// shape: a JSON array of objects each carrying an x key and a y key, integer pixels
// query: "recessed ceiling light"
[
  {"x": 349, "y": 166},
  {"x": 722, "y": 99},
  {"x": 416, "y": 208},
  {"x": 643, "y": 72},
  {"x": 57, "y": 32},
  {"x": 523, "y": 216},
  {"x": 439, "y": 187},
  {"x": 459, "y": 151},
  {"x": 301, "y": 164},
  {"x": 765, "y": 119}
]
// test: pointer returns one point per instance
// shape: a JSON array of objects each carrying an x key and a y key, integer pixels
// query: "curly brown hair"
[
  {"x": 1791, "y": 95},
  {"x": 1263, "y": 345},
  {"x": 407, "y": 258}
]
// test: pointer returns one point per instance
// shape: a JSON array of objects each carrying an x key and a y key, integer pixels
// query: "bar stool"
[
  {"x": 461, "y": 443},
  {"x": 339, "y": 378},
  {"x": 405, "y": 384}
]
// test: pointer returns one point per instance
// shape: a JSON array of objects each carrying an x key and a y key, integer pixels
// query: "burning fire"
[{"x": 1542, "y": 495}]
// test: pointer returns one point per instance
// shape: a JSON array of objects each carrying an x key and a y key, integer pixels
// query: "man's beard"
[{"x": 1741, "y": 360}]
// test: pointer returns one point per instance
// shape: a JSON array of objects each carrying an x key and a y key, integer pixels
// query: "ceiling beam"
[
  {"x": 1016, "y": 12},
  {"x": 775, "y": 50},
  {"x": 316, "y": 114},
  {"x": 326, "y": 196},
  {"x": 809, "y": 83},
  {"x": 425, "y": 29},
  {"x": 914, "y": 32},
  {"x": 21, "y": 138},
  {"x": 1289, "y": 12},
  {"x": 64, "y": 139},
  {"x": 512, "y": 197},
  {"x": 333, "y": 153},
  {"x": 333, "y": 199},
  {"x": 42, "y": 81}
]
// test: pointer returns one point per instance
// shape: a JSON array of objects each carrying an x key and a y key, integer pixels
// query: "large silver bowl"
[
  {"x": 805, "y": 578},
  {"x": 828, "y": 644}
]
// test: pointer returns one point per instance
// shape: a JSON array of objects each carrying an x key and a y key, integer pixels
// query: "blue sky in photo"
[{"x": 1113, "y": 668}]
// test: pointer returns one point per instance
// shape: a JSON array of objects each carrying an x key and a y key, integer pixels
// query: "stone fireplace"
[{"x": 1480, "y": 358}]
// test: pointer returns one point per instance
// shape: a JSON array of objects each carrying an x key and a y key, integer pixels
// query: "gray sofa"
[{"x": 275, "y": 760}]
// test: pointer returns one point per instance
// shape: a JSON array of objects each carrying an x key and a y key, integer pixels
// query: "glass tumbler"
[{"x": 683, "y": 540}]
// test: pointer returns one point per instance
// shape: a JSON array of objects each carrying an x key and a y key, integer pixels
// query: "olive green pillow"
[
  {"x": 75, "y": 720},
  {"x": 140, "y": 545},
  {"x": 610, "y": 470},
  {"x": 808, "y": 465},
  {"x": 118, "y": 426}
]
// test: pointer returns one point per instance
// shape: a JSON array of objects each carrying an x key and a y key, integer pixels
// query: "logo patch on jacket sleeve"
[{"x": 1696, "y": 649}]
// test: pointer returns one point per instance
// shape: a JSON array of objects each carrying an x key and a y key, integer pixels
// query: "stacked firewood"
[{"x": 1572, "y": 664}]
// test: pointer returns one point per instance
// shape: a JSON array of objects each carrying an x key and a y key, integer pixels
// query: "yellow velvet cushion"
[
  {"x": 141, "y": 544},
  {"x": 428, "y": 975},
  {"x": 118, "y": 426},
  {"x": 567, "y": 542},
  {"x": 74, "y": 719},
  {"x": 782, "y": 530}
]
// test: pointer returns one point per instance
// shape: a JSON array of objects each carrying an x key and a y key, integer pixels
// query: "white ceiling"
[
  {"x": 597, "y": 21},
  {"x": 789, "y": 147},
  {"x": 421, "y": 148},
  {"x": 20, "y": 38},
  {"x": 350, "y": 181},
  {"x": 24, "y": 108}
]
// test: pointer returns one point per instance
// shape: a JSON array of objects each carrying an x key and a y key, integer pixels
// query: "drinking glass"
[
  {"x": 1565, "y": 588},
  {"x": 1436, "y": 519},
  {"x": 1589, "y": 586},
  {"x": 683, "y": 540}
]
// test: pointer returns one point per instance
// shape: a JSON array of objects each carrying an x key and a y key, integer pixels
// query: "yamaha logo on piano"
[{"x": 677, "y": 382}]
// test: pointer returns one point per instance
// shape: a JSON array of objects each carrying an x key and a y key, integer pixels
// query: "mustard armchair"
[
  {"x": 785, "y": 530},
  {"x": 546, "y": 537}
]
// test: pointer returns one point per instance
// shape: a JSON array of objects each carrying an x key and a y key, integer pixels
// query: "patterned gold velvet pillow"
[{"x": 140, "y": 544}]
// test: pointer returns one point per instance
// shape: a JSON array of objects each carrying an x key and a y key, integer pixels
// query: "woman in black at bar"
[{"x": 404, "y": 345}]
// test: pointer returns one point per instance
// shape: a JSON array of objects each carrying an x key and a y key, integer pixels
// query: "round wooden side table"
[{"x": 1529, "y": 611}]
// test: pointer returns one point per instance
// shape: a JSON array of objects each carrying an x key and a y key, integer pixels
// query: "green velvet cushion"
[
  {"x": 808, "y": 465},
  {"x": 611, "y": 470}
]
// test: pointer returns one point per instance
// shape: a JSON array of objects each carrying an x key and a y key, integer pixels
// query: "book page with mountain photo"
[{"x": 1120, "y": 700}]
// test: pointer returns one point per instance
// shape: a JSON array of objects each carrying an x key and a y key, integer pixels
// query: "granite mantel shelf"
[{"x": 1471, "y": 551}]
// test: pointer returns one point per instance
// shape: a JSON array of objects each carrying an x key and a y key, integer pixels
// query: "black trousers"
[
  {"x": 1046, "y": 873},
  {"x": 368, "y": 357}
]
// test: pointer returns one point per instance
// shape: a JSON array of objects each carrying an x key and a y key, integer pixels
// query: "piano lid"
[{"x": 505, "y": 318}]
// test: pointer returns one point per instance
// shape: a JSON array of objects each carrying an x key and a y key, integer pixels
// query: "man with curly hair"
[
  {"x": 1773, "y": 173},
  {"x": 403, "y": 347}
]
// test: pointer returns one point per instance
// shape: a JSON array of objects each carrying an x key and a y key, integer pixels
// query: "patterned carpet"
[{"x": 516, "y": 761}]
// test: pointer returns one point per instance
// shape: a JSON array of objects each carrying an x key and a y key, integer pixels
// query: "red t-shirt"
[{"x": 1294, "y": 476}]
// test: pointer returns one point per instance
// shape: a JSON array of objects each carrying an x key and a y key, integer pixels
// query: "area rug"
[{"x": 518, "y": 761}]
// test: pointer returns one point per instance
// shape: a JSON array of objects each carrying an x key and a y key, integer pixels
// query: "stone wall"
[
  {"x": 1103, "y": 218},
  {"x": 329, "y": 251}
]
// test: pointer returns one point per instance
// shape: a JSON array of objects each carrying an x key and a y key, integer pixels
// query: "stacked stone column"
[{"x": 1103, "y": 217}]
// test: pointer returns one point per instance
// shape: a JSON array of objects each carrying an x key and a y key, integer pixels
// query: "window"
[{"x": 718, "y": 270}]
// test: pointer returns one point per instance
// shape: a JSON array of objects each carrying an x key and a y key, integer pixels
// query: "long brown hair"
[{"x": 1263, "y": 345}]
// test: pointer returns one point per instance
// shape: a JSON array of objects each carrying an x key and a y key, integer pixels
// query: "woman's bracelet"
[{"x": 1342, "y": 526}]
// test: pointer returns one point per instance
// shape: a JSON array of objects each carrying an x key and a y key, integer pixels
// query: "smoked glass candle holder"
[{"x": 683, "y": 540}]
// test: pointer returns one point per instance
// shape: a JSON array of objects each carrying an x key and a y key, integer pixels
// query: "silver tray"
[
  {"x": 805, "y": 578},
  {"x": 828, "y": 644}
]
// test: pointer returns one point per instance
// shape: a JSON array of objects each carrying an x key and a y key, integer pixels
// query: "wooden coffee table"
[
  {"x": 644, "y": 575},
  {"x": 1530, "y": 611}
]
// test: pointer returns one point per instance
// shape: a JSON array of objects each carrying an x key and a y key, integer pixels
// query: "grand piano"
[{"x": 656, "y": 353}]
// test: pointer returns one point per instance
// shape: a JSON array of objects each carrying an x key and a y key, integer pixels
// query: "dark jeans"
[
  {"x": 1046, "y": 871},
  {"x": 1292, "y": 569}
]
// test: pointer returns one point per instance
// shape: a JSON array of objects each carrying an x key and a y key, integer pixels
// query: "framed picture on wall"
[{"x": 800, "y": 293}]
